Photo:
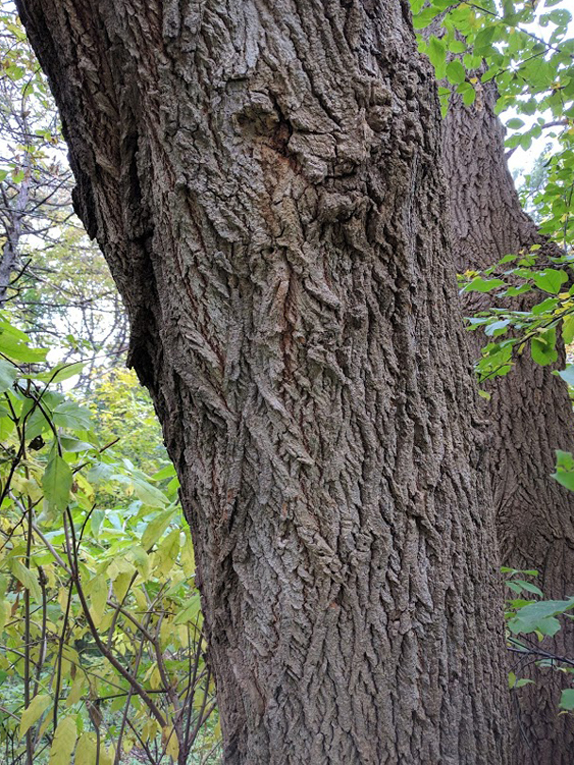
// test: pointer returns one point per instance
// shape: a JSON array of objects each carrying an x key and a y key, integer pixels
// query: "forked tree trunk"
[
  {"x": 263, "y": 179},
  {"x": 530, "y": 414}
]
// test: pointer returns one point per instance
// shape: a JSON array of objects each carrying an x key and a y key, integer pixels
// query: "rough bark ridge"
[
  {"x": 263, "y": 179},
  {"x": 530, "y": 414}
]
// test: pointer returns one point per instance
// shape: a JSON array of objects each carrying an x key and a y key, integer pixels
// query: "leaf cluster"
[{"x": 101, "y": 643}]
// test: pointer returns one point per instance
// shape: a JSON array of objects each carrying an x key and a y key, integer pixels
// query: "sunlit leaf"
[
  {"x": 33, "y": 712},
  {"x": 57, "y": 482},
  {"x": 64, "y": 742}
]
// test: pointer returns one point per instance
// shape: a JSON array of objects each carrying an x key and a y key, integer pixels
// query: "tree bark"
[
  {"x": 14, "y": 215},
  {"x": 263, "y": 178},
  {"x": 530, "y": 414}
]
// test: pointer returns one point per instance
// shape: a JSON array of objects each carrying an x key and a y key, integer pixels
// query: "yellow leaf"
[
  {"x": 169, "y": 740},
  {"x": 76, "y": 690},
  {"x": 150, "y": 729},
  {"x": 47, "y": 723},
  {"x": 121, "y": 585},
  {"x": 167, "y": 553},
  {"x": 120, "y": 566},
  {"x": 98, "y": 598},
  {"x": 32, "y": 489},
  {"x": 140, "y": 599},
  {"x": 86, "y": 487},
  {"x": 4, "y": 611},
  {"x": 187, "y": 556},
  {"x": 33, "y": 712},
  {"x": 64, "y": 742},
  {"x": 107, "y": 756},
  {"x": 155, "y": 678},
  {"x": 27, "y": 577},
  {"x": 86, "y": 750}
]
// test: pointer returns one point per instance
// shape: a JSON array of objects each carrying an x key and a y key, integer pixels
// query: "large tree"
[
  {"x": 263, "y": 178},
  {"x": 530, "y": 414}
]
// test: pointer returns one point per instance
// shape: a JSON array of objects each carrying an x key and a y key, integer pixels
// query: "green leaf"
[
  {"x": 424, "y": 18},
  {"x": 455, "y": 72},
  {"x": 550, "y": 280},
  {"x": 497, "y": 328},
  {"x": 119, "y": 565},
  {"x": 149, "y": 494},
  {"x": 96, "y": 522},
  {"x": 18, "y": 350},
  {"x": 524, "y": 681},
  {"x": 478, "y": 284},
  {"x": 543, "y": 348},
  {"x": 468, "y": 93},
  {"x": 156, "y": 528},
  {"x": 33, "y": 712},
  {"x": 529, "y": 587},
  {"x": 60, "y": 373},
  {"x": 515, "y": 123},
  {"x": 564, "y": 469},
  {"x": 72, "y": 444},
  {"x": 8, "y": 374},
  {"x": 436, "y": 51},
  {"x": 141, "y": 560},
  {"x": 64, "y": 742},
  {"x": 546, "y": 306},
  {"x": 457, "y": 46},
  {"x": 567, "y": 699},
  {"x": 540, "y": 616},
  {"x": 483, "y": 40},
  {"x": 514, "y": 586},
  {"x": 70, "y": 415},
  {"x": 166, "y": 472},
  {"x": 190, "y": 613},
  {"x": 565, "y": 479},
  {"x": 57, "y": 482},
  {"x": 26, "y": 577},
  {"x": 86, "y": 750}
]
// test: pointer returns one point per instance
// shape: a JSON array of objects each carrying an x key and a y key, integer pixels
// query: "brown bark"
[
  {"x": 530, "y": 414},
  {"x": 263, "y": 179}
]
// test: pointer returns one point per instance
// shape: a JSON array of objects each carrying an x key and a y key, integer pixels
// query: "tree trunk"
[
  {"x": 530, "y": 414},
  {"x": 14, "y": 213},
  {"x": 262, "y": 177}
]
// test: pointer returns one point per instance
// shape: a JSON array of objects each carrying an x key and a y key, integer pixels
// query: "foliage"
[
  {"x": 100, "y": 623},
  {"x": 529, "y": 622},
  {"x": 123, "y": 413},
  {"x": 52, "y": 276},
  {"x": 535, "y": 330},
  {"x": 502, "y": 41},
  {"x": 525, "y": 49}
]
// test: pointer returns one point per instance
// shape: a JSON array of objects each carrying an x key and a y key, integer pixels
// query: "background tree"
[
  {"x": 54, "y": 279},
  {"x": 263, "y": 181},
  {"x": 529, "y": 413},
  {"x": 529, "y": 410}
]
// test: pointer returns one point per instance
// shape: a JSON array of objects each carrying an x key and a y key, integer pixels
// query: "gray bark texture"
[
  {"x": 264, "y": 180},
  {"x": 14, "y": 214},
  {"x": 530, "y": 414}
]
